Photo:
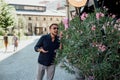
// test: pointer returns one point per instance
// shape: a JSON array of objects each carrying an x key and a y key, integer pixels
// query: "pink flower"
[
  {"x": 65, "y": 22},
  {"x": 84, "y": 16},
  {"x": 118, "y": 20},
  {"x": 91, "y": 78},
  {"x": 119, "y": 42},
  {"x": 115, "y": 26},
  {"x": 105, "y": 8},
  {"x": 113, "y": 16},
  {"x": 101, "y": 47},
  {"x": 93, "y": 28},
  {"x": 99, "y": 15},
  {"x": 108, "y": 23}
]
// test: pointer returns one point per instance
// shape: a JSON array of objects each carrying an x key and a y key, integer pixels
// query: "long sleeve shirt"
[{"x": 48, "y": 45}]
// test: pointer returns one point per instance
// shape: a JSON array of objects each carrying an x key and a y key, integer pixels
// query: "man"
[{"x": 47, "y": 46}]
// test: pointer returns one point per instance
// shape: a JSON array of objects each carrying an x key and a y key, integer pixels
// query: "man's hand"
[
  {"x": 61, "y": 35},
  {"x": 42, "y": 50}
]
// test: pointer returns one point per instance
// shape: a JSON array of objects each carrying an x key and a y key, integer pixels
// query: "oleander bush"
[{"x": 91, "y": 45}]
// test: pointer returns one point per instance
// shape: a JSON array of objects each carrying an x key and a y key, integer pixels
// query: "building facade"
[{"x": 37, "y": 18}]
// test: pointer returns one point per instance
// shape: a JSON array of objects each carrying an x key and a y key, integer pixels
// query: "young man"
[{"x": 47, "y": 46}]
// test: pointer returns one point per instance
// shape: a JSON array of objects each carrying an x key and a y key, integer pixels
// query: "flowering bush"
[{"x": 91, "y": 45}]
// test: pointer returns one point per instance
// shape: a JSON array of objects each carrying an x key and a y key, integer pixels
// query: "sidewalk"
[{"x": 21, "y": 45}]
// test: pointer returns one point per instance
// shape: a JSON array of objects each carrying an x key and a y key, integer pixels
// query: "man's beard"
[{"x": 55, "y": 34}]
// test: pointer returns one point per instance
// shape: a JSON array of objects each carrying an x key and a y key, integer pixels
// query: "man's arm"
[
  {"x": 38, "y": 47},
  {"x": 39, "y": 44}
]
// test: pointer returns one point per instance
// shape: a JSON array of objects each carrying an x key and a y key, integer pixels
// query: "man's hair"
[{"x": 52, "y": 25}]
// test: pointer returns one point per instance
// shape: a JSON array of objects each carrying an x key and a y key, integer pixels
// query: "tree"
[
  {"x": 6, "y": 15},
  {"x": 21, "y": 25}
]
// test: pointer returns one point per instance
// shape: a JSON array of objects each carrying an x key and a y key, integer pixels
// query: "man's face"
[{"x": 54, "y": 30}]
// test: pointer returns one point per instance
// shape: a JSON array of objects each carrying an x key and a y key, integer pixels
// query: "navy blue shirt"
[{"x": 46, "y": 43}]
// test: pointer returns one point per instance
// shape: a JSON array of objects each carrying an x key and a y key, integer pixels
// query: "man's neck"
[{"x": 52, "y": 37}]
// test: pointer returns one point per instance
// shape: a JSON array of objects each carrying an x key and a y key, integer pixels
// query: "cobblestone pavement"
[{"x": 22, "y": 65}]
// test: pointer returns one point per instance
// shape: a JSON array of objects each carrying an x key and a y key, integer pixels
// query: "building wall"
[
  {"x": 37, "y": 20},
  {"x": 37, "y": 25}
]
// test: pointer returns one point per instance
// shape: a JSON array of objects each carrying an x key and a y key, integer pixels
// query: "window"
[
  {"x": 50, "y": 19},
  {"x": 30, "y": 28},
  {"x": 44, "y": 19},
  {"x": 29, "y": 18},
  {"x": 57, "y": 19},
  {"x": 36, "y": 18}
]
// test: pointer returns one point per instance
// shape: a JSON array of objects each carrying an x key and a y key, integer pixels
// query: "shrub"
[{"x": 91, "y": 45}]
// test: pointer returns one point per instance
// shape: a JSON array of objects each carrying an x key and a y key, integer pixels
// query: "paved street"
[{"x": 22, "y": 65}]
